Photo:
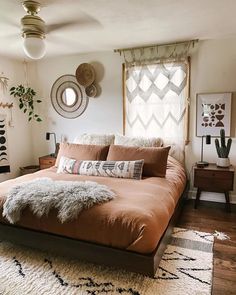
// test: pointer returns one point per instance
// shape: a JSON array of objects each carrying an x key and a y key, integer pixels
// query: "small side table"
[
  {"x": 214, "y": 179},
  {"x": 46, "y": 161}
]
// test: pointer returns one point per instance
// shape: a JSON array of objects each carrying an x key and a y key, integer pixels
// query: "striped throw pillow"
[{"x": 119, "y": 169}]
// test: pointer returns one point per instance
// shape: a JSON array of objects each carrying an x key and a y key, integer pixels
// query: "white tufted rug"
[{"x": 186, "y": 268}]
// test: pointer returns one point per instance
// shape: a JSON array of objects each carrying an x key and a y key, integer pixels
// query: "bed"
[{"x": 130, "y": 231}]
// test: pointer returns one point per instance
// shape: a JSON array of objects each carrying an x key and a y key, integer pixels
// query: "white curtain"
[{"x": 156, "y": 101}]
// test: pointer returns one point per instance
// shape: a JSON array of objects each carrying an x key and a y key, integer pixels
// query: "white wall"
[
  {"x": 213, "y": 70},
  {"x": 103, "y": 114},
  {"x": 19, "y": 139}
]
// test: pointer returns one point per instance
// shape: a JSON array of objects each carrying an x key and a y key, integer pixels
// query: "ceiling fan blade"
[
  {"x": 47, "y": 3},
  {"x": 55, "y": 27},
  {"x": 10, "y": 37},
  {"x": 86, "y": 22},
  {"x": 9, "y": 21},
  {"x": 13, "y": 36}
]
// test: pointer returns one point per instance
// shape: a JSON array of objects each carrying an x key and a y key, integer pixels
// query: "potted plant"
[
  {"x": 223, "y": 150},
  {"x": 26, "y": 97}
]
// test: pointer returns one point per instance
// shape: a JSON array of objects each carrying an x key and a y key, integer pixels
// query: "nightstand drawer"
[
  {"x": 213, "y": 180},
  {"x": 213, "y": 174},
  {"x": 46, "y": 162},
  {"x": 213, "y": 184}
]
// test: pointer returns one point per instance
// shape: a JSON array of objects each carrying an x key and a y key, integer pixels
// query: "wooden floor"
[{"x": 210, "y": 217}]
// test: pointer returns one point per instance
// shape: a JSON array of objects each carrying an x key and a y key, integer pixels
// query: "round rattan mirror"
[{"x": 68, "y": 97}]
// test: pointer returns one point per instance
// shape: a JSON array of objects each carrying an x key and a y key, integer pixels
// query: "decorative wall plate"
[
  {"x": 68, "y": 98},
  {"x": 85, "y": 74},
  {"x": 91, "y": 90}
]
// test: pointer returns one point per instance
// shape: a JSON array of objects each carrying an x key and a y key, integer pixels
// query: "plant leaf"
[
  {"x": 25, "y": 110},
  {"x": 30, "y": 118},
  {"x": 21, "y": 105},
  {"x": 38, "y": 101},
  {"x": 39, "y": 120},
  {"x": 12, "y": 88}
]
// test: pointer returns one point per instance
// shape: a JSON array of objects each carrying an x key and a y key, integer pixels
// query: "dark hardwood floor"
[{"x": 210, "y": 217}]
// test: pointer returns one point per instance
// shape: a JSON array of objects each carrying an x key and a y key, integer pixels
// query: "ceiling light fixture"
[
  {"x": 33, "y": 31},
  {"x": 34, "y": 47}
]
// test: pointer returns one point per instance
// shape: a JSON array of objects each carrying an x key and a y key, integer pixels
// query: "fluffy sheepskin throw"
[{"x": 43, "y": 194}]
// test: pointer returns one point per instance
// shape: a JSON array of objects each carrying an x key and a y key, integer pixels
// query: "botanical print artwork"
[
  {"x": 4, "y": 162},
  {"x": 213, "y": 113}
]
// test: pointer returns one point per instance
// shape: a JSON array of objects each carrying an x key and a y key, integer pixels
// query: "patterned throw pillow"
[{"x": 119, "y": 169}]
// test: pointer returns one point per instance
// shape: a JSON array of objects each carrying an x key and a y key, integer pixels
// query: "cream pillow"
[
  {"x": 177, "y": 150},
  {"x": 138, "y": 141},
  {"x": 98, "y": 139}
]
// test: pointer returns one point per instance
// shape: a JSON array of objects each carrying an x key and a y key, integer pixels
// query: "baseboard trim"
[{"x": 212, "y": 197}]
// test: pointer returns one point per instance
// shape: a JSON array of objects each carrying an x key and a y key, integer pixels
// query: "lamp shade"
[
  {"x": 208, "y": 139},
  {"x": 34, "y": 47},
  {"x": 48, "y": 135}
]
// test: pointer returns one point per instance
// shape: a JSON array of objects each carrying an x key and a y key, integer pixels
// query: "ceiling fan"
[{"x": 34, "y": 28}]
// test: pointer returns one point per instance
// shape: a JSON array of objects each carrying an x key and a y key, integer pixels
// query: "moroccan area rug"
[{"x": 186, "y": 268}]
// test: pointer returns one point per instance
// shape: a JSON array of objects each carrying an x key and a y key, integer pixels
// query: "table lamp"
[
  {"x": 48, "y": 134},
  {"x": 208, "y": 141}
]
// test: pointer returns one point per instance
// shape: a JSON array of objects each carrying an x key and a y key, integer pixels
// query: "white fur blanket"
[{"x": 43, "y": 194}]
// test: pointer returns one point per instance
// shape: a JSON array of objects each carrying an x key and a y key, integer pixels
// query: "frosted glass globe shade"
[{"x": 34, "y": 48}]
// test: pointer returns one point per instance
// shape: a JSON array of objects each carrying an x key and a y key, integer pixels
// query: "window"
[{"x": 156, "y": 100}]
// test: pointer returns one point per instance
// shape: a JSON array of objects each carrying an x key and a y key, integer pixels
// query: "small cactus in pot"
[{"x": 223, "y": 150}]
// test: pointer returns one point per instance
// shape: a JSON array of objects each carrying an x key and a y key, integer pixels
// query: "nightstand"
[
  {"x": 214, "y": 179},
  {"x": 46, "y": 162}
]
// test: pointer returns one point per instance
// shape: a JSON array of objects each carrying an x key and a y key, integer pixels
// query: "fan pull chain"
[{"x": 26, "y": 73}]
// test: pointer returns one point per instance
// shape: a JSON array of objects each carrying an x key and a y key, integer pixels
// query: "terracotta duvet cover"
[{"x": 135, "y": 220}]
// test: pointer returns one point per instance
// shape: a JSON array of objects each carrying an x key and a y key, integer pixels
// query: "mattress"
[{"x": 135, "y": 220}]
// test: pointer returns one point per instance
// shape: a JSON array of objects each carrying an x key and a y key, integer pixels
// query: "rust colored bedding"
[{"x": 135, "y": 220}]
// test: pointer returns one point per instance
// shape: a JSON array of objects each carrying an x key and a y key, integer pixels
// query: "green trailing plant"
[
  {"x": 223, "y": 150},
  {"x": 26, "y": 97}
]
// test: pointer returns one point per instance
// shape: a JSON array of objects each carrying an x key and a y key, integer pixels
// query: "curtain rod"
[{"x": 155, "y": 45}]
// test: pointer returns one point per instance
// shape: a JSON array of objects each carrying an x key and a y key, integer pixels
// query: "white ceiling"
[{"x": 109, "y": 24}]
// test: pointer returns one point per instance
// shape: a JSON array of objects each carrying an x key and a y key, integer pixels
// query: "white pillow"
[
  {"x": 177, "y": 150},
  {"x": 99, "y": 139},
  {"x": 138, "y": 141},
  {"x": 119, "y": 169}
]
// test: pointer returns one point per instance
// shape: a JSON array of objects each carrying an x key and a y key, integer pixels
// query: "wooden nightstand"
[
  {"x": 46, "y": 162},
  {"x": 214, "y": 179}
]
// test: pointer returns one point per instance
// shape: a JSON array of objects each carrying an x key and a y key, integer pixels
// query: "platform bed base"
[{"x": 90, "y": 252}]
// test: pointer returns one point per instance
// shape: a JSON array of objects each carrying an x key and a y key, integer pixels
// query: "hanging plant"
[{"x": 26, "y": 97}]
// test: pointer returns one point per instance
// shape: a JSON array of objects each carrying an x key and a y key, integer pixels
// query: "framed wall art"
[{"x": 213, "y": 113}]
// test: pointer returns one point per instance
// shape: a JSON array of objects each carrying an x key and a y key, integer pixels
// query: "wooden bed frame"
[{"x": 91, "y": 252}]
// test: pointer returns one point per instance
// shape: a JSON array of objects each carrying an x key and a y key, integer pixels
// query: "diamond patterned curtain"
[{"x": 156, "y": 101}]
